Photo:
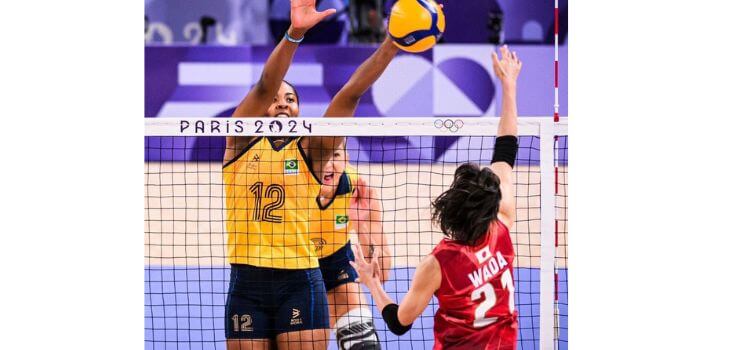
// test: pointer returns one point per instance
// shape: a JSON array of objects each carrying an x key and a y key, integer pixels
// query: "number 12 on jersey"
[{"x": 274, "y": 191}]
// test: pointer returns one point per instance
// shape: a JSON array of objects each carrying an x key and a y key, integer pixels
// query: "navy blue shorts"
[
  {"x": 336, "y": 268},
  {"x": 264, "y": 302}
]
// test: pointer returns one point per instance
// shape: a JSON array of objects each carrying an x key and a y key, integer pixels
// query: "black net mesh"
[{"x": 187, "y": 273}]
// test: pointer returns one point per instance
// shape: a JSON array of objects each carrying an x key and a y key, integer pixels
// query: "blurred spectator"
[
  {"x": 248, "y": 19},
  {"x": 366, "y": 19},
  {"x": 236, "y": 21},
  {"x": 263, "y": 22},
  {"x": 329, "y": 31}
]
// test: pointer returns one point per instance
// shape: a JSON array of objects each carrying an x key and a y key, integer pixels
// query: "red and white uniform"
[{"x": 476, "y": 293}]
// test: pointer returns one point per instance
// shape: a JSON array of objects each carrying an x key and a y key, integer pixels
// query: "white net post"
[{"x": 547, "y": 263}]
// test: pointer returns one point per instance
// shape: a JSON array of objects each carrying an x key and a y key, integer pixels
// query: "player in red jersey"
[{"x": 471, "y": 270}]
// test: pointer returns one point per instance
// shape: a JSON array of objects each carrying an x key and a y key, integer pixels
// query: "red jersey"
[{"x": 476, "y": 293}]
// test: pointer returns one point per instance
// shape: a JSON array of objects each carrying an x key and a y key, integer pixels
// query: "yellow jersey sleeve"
[{"x": 268, "y": 206}]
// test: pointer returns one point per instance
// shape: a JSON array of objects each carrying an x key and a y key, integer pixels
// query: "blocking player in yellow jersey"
[
  {"x": 347, "y": 205},
  {"x": 276, "y": 297}
]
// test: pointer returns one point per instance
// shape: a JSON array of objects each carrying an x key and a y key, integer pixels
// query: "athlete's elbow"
[
  {"x": 390, "y": 316},
  {"x": 399, "y": 331}
]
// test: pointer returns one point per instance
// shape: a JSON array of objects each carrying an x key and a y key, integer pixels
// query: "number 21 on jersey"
[{"x": 490, "y": 299}]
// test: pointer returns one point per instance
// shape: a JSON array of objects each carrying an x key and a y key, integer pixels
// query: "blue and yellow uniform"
[
  {"x": 329, "y": 230},
  {"x": 275, "y": 285}
]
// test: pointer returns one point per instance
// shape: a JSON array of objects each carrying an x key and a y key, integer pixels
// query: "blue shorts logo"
[{"x": 295, "y": 320}]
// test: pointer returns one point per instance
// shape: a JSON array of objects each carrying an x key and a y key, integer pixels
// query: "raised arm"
[
  {"x": 399, "y": 317},
  {"x": 506, "y": 144},
  {"x": 256, "y": 102},
  {"x": 366, "y": 212},
  {"x": 345, "y": 102}
]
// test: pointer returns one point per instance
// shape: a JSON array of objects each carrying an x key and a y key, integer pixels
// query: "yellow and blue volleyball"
[{"x": 416, "y": 25}]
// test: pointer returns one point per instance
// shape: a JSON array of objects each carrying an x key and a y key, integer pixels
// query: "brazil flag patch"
[
  {"x": 341, "y": 221},
  {"x": 291, "y": 166}
]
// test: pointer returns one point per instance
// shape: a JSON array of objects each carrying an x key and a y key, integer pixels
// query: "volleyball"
[{"x": 416, "y": 25}]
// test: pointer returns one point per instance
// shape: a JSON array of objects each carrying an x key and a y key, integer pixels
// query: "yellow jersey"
[
  {"x": 330, "y": 224},
  {"x": 270, "y": 192}
]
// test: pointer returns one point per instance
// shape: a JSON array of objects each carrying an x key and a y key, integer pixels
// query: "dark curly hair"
[{"x": 465, "y": 211}]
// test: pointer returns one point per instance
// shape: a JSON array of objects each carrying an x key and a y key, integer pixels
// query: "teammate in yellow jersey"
[
  {"x": 348, "y": 206},
  {"x": 276, "y": 296}
]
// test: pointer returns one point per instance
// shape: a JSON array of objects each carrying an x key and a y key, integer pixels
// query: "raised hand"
[
  {"x": 304, "y": 15},
  {"x": 369, "y": 272},
  {"x": 508, "y": 67}
]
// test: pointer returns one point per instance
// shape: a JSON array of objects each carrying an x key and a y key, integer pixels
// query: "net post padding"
[{"x": 547, "y": 263}]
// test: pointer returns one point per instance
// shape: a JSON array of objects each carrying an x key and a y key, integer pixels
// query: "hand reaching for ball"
[
  {"x": 304, "y": 15},
  {"x": 507, "y": 67}
]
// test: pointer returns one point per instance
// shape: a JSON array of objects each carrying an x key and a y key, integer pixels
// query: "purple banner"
[{"x": 450, "y": 80}]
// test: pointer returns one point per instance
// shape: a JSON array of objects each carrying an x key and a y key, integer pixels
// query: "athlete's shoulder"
[
  {"x": 236, "y": 149},
  {"x": 347, "y": 181},
  {"x": 499, "y": 226},
  {"x": 499, "y": 232},
  {"x": 351, "y": 171},
  {"x": 351, "y": 174},
  {"x": 446, "y": 250}
]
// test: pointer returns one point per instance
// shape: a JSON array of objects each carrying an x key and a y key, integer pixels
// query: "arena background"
[{"x": 185, "y": 264}]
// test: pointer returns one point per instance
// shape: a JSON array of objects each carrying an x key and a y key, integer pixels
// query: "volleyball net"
[{"x": 407, "y": 161}]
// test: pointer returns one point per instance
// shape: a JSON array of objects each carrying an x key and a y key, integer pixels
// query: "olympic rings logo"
[{"x": 449, "y": 124}]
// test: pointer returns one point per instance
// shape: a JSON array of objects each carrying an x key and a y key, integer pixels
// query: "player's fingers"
[
  {"x": 515, "y": 56},
  {"x": 495, "y": 59},
  {"x": 504, "y": 52},
  {"x": 362, "y": 189},
  {"x": 358, "y": 252},
  {"x": 376, "y": 271},
  {"x": 361, "y": 186},
  {"x": 355, "y": 250},
  {"x": 376, "y": 255},
  {"x": 496, "y": 65},
  {"x": 368, "y": 194},
  {"x": 326, "y": 13}
]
